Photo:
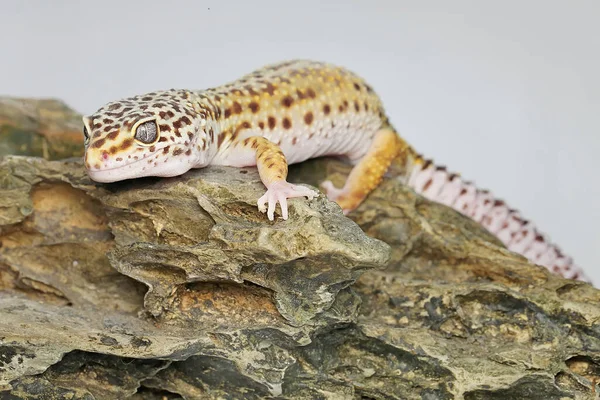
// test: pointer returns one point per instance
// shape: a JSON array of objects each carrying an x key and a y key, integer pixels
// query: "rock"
[
  {"x": 39, "y": 127},
  {"x": 179, "y": 288}
]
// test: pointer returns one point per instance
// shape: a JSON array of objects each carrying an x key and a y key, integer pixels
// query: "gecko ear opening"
[{"x": 146, "y": 132}]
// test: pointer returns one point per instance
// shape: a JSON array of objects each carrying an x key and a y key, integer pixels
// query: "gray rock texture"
[{"x": 179, "y": 288}]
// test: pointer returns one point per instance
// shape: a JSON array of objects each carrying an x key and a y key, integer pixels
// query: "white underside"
[{"x": 351, "y": 136}]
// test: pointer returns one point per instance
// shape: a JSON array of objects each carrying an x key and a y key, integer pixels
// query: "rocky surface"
[
  {"x": 180, "y": 288},
  {"x": 39, "y": 127}
]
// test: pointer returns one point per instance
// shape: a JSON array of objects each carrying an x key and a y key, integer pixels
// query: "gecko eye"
[{"x": 146, "y": 132}]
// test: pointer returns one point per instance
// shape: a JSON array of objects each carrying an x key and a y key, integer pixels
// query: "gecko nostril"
[{"x": 105, "y": 155}]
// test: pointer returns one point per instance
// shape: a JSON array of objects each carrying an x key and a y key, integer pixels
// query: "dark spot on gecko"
[
  {"x": 251, "y": 90},
  {"x": 186, "y": 120},
  {"x": 113, "y": 149},
  {"x": 272, "y": 122},
  {"x": 159, "y": 105},
  {"x": 270, "y": 89},
  {"x": 114, "y": 107},
  {"x": 221, "y": 138},
  {"x": 341, "y": 108},
  {"x": 356, "y": 86},
  {"x": 163, "y": 139},
  {"x": 152, "y": 149},
  {"x": 254, "y": 107},
  {"x": 326, "y": 109},
  {"x": 147, "y": 98},
  {"x": 356, "y": 106},
  {"x": 188, "y": 152},
  {"x": 107, "y": 121},
  {"x": 113, "y": 135},
  {"x": 107, "y": 128},
  {"x": 300, "y": 94},
  {"x": 240, "y": 127},
  {"x": 177, "y": 124},
  {"x": 427, "y": 184},
  {"x": 294, "y": 140},
  {"x": 227, "y": 113},
  {"x": 308, "y": 118},
  {"x": 119, "y": 159},
  {"x": 287, "y": 124},
  {"x": 287, "y": 101},
  {"x": 177, "y": 152},
  {"x": 170, "y": 114},
  {"x": 261, "y": 125},
  {"x": 237, "y": 108},
  {"x": 311, "y": 93},
  {"x": 190, "y": 135},
  {"x": 98, "y": 143},
  {"x": 366, "y": 107},
  {"x": 166, "y": 149},
  {"x": 126, "y": 144}
]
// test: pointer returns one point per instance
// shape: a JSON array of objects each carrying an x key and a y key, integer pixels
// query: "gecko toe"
[
  {"x": 331, "y": 191},
  {"x": 279, "y": 192}
]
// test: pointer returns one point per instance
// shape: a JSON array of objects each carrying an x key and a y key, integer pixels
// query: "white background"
[{"x": 505, "y": 92}]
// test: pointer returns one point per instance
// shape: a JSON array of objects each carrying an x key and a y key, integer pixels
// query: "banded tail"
[{"x": 518, "y": 234}]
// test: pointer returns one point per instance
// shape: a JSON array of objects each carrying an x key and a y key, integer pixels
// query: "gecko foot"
[
  {"x": 340, "y": 196},
  {"x": 280, "y": 192}
]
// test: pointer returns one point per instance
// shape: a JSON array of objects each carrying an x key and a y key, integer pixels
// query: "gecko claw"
[{"x": 279, "y": 192}]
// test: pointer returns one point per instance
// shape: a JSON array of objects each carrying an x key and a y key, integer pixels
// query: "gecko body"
[{"x": 282, "y": 114}]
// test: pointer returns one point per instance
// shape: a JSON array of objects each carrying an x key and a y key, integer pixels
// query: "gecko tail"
[{"x": 518, "y": 234}]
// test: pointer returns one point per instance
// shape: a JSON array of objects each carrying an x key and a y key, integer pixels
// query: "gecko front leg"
[{"x": 273, "y": 169}]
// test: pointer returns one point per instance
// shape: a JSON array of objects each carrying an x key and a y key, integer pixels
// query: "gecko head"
[{"x": 155, "y": 134}]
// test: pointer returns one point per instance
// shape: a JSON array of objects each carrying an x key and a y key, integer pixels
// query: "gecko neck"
[{"x": 208, "y": 126}]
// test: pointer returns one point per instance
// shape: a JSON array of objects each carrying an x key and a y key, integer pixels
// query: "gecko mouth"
[{"x": 134, "y": 169}]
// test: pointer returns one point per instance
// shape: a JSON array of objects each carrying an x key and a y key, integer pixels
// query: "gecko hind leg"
[{"x": 386, "y": 147}]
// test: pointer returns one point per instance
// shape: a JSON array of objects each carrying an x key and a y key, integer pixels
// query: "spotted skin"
[{"x": 287, "y": 113}]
